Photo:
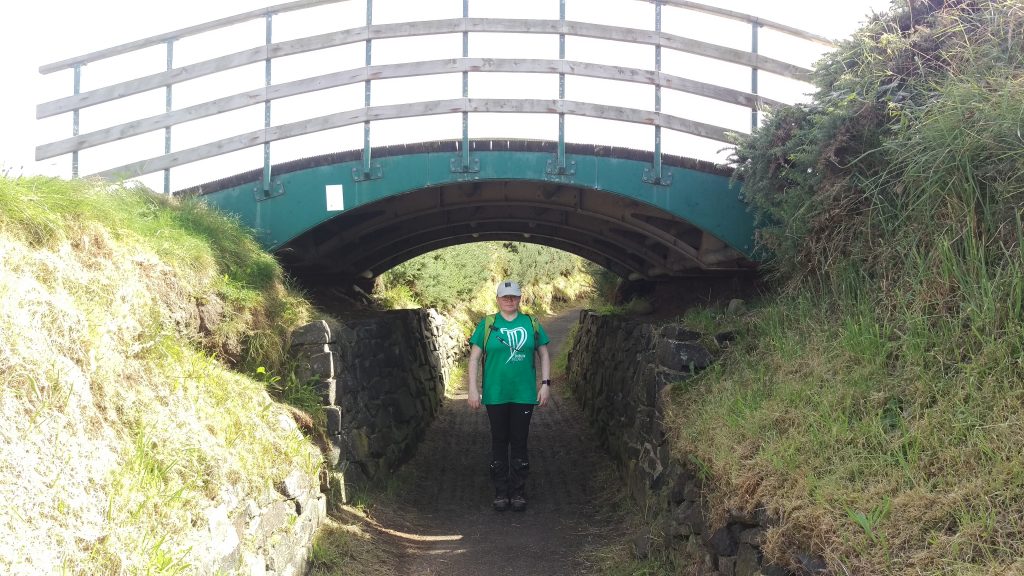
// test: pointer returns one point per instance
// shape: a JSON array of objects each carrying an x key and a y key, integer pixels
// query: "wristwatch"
[{"x": 545, "y": 383}]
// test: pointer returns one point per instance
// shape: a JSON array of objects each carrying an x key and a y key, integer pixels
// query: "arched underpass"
[
  {"x": 440, "y": 519},
  {"x": 441, "y": 522}
]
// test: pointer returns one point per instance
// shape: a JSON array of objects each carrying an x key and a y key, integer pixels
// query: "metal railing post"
[
  {"x": 465, "y": 91},
  {"x": 74, "y": 120},
  {"x": 266, "y": 108},
  {"x": 168, "y": 107},
  {"x": 657, "y": 91},
  {"x": 366, "y": 99},
  {"x": 753, "y": 74},
  {"x": 561, "y": 88}
]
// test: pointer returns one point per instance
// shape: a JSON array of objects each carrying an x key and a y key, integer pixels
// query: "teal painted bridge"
[
  {"x": 323, "y": 216},
  {"x": 641, "y": 213}
]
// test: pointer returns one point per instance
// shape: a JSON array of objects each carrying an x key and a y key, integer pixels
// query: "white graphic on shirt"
[{"x": 515, "y": 339}]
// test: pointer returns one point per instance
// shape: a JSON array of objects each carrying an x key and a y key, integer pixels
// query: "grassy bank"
[
  {"x": 129, "y": 328},
  {"x": 874, "y": 403}
]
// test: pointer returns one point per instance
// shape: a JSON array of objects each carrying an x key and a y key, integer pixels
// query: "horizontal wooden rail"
[
  {"x": 182, "y": 33},
  {"x": 403, "y": 70},
  {"x": 457, "y": 105},
  {"x": 732, "y": 15},
  {"x": 406, "y": 29},
  {"x": 303, "y": 4}
]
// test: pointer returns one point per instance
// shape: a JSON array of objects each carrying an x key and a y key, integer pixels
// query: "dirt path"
[{"x": 443, "y": 522}]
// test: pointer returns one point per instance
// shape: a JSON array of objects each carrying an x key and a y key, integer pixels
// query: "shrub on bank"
[{"x": 874, "y": 404}]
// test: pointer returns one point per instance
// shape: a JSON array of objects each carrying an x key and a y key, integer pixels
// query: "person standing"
[{"x": 506, "y": 342}]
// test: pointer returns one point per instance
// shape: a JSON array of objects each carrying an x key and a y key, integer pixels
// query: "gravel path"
[{"x": 443, "y": 522}]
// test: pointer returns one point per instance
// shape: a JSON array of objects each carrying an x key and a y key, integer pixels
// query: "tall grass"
[
  {"x": 119, "y": 419},
  {"x": 875, "y": 406}
]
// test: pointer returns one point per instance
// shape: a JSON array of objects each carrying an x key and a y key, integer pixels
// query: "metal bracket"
[
  {"x": 376, "y": 173},
  {"x": 458, "y": 168},
  {"x": 650, "y": 178},
  {"x": 555, "y": 172},
  {"x": 465, "y": 172},
  {"x": 276, "y": 189}
]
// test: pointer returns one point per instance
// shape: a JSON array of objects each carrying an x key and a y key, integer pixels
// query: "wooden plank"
[
  {"x": 635, "y": 36},
  {"x": 750, "y": 19},
  {"x": 304, "y": 4},
  {"x": 457, "y": 105},
  {"x": 406, "y": 29},
  {"x": 182, "y": 33},
  {"x": 198, "y": 70},
  {"x": 347, "y": 77}
]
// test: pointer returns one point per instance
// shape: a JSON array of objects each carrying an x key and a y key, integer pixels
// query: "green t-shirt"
[{"x": 509, "y": 374}]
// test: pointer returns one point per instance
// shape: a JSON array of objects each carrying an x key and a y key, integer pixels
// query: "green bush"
[
  {"x": 460, "y": 280},
  {"x": 870, "y": 401}
]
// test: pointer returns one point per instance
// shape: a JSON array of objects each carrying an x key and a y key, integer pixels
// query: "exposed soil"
[{"x": 441, "y": 521}]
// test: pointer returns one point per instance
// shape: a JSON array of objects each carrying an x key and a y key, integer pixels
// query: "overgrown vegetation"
[
  {"x": 459, "y": 281},
  {"x": 875, "y": 406},
  {"x": 122, "y": 422}
]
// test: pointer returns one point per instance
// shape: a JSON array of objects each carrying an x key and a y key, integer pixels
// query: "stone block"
[
  {"x": 688, "y": 518},
  {"x": 774, "y": 570},
  {"x": 282, "y": 552},
  {"x": 358, "y": 444},
  {"x": 736, "y": 307},
  {"x": 811, "y": 564},
  {"x": 727, "y": 565},
  {"x": 722, "y": 542},
  {"x": 680, "y": 333},
  {"x": 753, "y": 536},
  {"x": 725, "y": 339},
  {"x": 677, "y": 494},
  {"x": 316, "y": 367},
  {"x": 683, "y": 356},
  {"x": 691, "y": 491},
  {"x": 317, "y": 332},
  {"x": 219, "y": 547},
  {"x": 294, "y": 486},
  {"x": 333, "y": 414},
  {"x": 747, "y": 561},
  {"x": 327, "y": 390},
  {"x": 253, "y": 564}
]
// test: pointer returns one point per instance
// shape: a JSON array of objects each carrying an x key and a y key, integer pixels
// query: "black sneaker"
[
  {"x": 518, "y": 503},
  {"x": 500, "y": 503}
]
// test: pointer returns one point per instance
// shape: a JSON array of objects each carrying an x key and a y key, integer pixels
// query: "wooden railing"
[{"x": 366, "y": 73}]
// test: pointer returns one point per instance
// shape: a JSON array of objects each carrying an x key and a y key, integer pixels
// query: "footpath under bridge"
[{"x": 633, "y": 209}]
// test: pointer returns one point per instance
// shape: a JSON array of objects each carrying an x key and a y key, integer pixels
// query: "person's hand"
[
  {"x": 543, "y": 394},
  {"x": 474, "y": 399}
]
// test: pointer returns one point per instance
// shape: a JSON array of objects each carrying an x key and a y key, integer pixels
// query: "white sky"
[{"x": 44, "y": 31}]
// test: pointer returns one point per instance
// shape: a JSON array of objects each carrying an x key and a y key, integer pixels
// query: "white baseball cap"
[{"x": 509, "y": 288}]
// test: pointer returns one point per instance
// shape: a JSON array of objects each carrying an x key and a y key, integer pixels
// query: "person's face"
[{"x": 508, "y": 303}]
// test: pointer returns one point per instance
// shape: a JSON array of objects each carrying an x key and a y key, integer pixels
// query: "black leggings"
[{"x": 510, "y": 426}]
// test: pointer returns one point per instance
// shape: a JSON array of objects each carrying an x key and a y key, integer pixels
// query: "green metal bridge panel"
[{"x": 297, "y": 200}]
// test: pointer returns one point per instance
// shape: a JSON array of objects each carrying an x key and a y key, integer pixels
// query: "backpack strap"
[{"x": 488, "y": 328}]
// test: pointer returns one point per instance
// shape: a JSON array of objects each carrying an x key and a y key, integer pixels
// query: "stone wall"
[
  {"x": 619, "y": 372},
  {"x": 382, "y": 378},
  {"x": 268, "y": 535}
]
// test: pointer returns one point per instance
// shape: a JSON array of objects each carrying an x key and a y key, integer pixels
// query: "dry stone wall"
[
  {"x": 381, "y": 377},
  {"x": 267, "y": 535},
  {"x": 619, "y": 371}
]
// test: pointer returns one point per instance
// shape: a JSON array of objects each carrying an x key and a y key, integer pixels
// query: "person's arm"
[
  {"x": 474, "y": 368},
  {"x": 545, "y": 375}
]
